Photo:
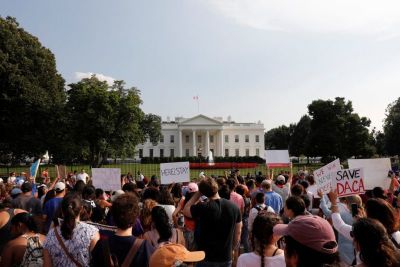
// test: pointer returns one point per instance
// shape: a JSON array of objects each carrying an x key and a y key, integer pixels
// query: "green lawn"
[{"x": 147, "y": 169}]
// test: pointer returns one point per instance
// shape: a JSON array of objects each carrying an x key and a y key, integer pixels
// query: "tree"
[
  {"x": 108, "y": 121},
  {"x": 336, "y": 131},
  {"x": 299, "y": 140},
  {"x": 31, "y": 92},
  {"x": 278, "y": 138},
  {"x": 391, "y": 128}
]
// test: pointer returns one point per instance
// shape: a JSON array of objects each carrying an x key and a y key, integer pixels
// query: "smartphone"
[{"x": 354, "y": 209}]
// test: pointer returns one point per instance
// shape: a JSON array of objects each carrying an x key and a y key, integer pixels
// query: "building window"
[
  {"x": 257, "y": 139},
  {"x": 171, "y": 153},
  {"x": 140, "y": 153},
  {"x": 211, "y": 138},
  {"x": 199, "y": 139},
  {"x": 226, "y": 138},
  {"x": 247, "y": 152},
  {"x": 187, "y": 139},
  {"x": 246, "y": 138},
  {"x": 226, "y": 152},
  {"x": 187, "y": 153},
  {"x": 150, "y": 152},
  {"x": 172, "y": 139},
  {"x": 237, "y": 138},
  {"x": 161, "y": 153},
  {"x": 162, "y": 138},
  {"x": 237, "y": 152},
  {"x": 257, "y": 152}
]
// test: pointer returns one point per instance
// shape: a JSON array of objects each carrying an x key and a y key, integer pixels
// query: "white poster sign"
[
  {"x": 375, "y": 171},
  {"x": 349, "y": 182},
  {"x": 107, "y": 178},
  {"x": 175, "y": 172},
  {"x": 277, "y": 158},
  {"x": 323, "y": 178}
]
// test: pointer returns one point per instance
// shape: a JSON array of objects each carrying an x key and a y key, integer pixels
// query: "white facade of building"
[{"x": 200, "y": 134}]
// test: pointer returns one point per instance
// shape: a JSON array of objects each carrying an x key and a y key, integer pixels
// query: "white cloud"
[
  {"x": 101, "y": 77},
  {"x": 381, "y": 18}
]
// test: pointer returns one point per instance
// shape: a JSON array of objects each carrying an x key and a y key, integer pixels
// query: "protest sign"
[
  {"x": 375, "y": 171},
  {"x": 61, "y": 171},
  {"x": 323, "y": 178},
  {"x": 349, "y": 182},
  {"x": 277, "y": 158},
  {"x": 107, "y": 178},
  {"x": 176, "y": 172}
]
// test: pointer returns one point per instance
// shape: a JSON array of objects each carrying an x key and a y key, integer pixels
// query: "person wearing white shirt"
[
  {"x": 265, "y": 253},
  {"x": 259, "y": 205},
  {"x": 83, "y": 176}
]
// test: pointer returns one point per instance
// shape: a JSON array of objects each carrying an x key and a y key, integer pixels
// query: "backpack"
[
  {"x": 260, "y": 208},
  {"x": 33, "y": 256}
]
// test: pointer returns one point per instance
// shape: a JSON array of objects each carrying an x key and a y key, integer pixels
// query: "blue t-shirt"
[
  {"x": 50, "y": 209},
  {"x": 274, "y": 200}
]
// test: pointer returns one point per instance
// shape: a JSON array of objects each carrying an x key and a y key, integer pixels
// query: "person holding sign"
[{"x": 375, "y": 208}]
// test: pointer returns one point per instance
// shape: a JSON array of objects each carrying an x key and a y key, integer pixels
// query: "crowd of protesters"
[{"x": 232, "y": 220}]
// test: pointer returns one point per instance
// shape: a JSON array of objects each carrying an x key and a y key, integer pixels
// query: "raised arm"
[
  {"x": 190, "y": 203},
  {"x": 337, "y": 220}
]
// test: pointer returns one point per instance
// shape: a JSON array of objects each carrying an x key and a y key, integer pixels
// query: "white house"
[{"x": 196, "y": 136}]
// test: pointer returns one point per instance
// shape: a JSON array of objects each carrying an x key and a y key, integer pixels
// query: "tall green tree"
[
  {"x": 299, "y": 140},
  {"x": 108, "y": 121},
  {"x": 391, "y": 128},
  {"x": 31, "y": 93},
  {"x": 278, "y": 138},
  {"x": 338, "y": 132}
]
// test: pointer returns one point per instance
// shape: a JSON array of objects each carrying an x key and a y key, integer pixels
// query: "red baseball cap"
[{"x": 311, "y": 231}]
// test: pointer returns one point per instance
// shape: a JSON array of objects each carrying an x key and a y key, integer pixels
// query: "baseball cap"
[
  {"x": 42, "y": 185},
  {"x": 192, "y": 187},
  {"x": 15, "y": 191},
  {"x": 311, "y": 231},
  {"x": 280, "y": 178},
  {"x": 60, "y": 186},
  {"x": 169, "y": 254},
  {"x": 116, "y": 194}
]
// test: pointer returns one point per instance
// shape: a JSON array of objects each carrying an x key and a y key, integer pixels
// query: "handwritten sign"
[
  {"x": 349, "y": 182},
  {"x": 176, "y": 172},
  {"x": 323, "y": 178},
  {"x": 107, "y": 178},
  {"x": 277, "y": 158},
  {"x": 375, "y": 171}
]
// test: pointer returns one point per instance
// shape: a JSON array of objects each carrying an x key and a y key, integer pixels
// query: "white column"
[
  {"x": 207, "y": 148},
  {"x": 180, "y": 142},
  {"x": 222, "y": 144},
  {"x": 194, "y": 144}
]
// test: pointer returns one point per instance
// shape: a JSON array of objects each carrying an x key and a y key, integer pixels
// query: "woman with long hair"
[
  {"x": 70, "y": 243},
  {"x": 162, "y": 230},
  {"x": 374, "y": 245},
  {"x": 265, "y": 252},
  {"x": 121, "y": 246},
  {"x": 27, "y": 247}
]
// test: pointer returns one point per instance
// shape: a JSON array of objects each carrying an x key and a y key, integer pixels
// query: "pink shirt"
[{"x": 237, "y": 200}]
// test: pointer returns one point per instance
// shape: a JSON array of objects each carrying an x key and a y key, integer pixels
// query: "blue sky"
[{"x": 253, "y": 60}]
